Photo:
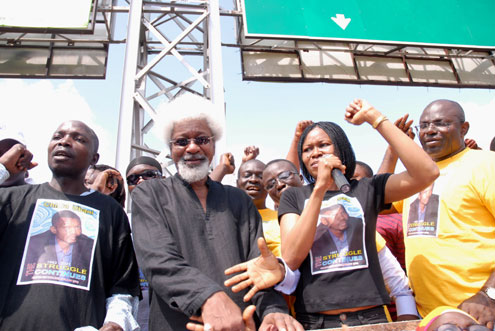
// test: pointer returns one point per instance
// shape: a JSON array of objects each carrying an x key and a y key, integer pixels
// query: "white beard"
[{"x": 193, "y": 174}]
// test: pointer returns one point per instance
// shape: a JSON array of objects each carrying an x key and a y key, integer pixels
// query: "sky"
[{"x": 257, "y": 113}]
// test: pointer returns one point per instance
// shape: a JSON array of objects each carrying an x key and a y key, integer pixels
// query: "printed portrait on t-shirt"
[
  {"x": 423, "y": 214},
  {"x": 339, "y": 238},
  {"x": 60, "y": 244}
]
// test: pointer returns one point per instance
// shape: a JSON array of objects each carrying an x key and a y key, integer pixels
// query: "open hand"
[
  {"x": 260, "y": 273},
  {"x": 405, "y": 126}
]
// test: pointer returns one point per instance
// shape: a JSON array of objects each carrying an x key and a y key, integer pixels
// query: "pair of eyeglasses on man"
[
  {"x": 435, "y": 124},
  {"x": 454, "y": 327},
  {"x": 148, "y": 174},
  {"x": 183, "y": 142},
  {"x": 283, "y": 177}
]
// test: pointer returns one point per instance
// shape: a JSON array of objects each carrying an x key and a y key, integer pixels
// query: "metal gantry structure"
[{"x": 172, "y": 47}]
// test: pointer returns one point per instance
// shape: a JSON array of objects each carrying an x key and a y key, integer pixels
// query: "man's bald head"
[{"x": 448, "y": 105}]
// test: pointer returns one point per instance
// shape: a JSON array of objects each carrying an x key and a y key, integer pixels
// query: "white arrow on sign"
[{"x": 341, "y": 20}]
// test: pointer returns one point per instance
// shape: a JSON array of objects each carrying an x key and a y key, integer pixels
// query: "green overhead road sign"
[{"x": 461, "y": 23}]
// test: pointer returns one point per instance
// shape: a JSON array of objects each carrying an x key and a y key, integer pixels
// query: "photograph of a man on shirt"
[
  {"x": 339, "y": 240},
  {"x": 423, "y": 214},
  {"x": 60, "y": 246}
]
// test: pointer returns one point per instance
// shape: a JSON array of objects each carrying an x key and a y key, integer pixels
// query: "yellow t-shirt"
[
  {"x": 271, "y": 230},
  {"x": 450, "y": 244}
]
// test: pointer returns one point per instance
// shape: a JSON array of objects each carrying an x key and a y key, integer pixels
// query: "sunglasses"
[
  {"x": 283, "y": 177},
  {"x": 148, "y": 174},
  {"x": 183, "y": 142}
]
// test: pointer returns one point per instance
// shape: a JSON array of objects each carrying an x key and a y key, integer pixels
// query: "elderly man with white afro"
[{"x": 187, "y": 107}]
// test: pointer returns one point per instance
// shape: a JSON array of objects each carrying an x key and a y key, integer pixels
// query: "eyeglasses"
[
  {"x": 453, "y": 327},
  {"x": 148, "y": 174},
  {"x": 183, "y": 142},
  {"x": 283, "y": 177},
  {"x": 435, "y": 124}
]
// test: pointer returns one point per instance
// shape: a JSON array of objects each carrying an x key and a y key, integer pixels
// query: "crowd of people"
[{"x": 196, "y": 254}]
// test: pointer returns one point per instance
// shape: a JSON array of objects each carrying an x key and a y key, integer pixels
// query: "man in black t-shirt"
[{"x": 111, "y": 280}]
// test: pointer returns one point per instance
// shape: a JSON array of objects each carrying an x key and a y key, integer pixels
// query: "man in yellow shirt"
[
  {"x": 250, "y": 180},
  {"x": 450, "y": 256}
]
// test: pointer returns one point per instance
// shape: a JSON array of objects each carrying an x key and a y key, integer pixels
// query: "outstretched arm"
[
  {"x": 420, "y": 172},
  {"x": 260, "y": 273},
  {"x": 292, "y": 154}
]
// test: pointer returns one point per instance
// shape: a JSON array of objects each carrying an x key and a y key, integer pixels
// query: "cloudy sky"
[{"x": 261, "y": 114}]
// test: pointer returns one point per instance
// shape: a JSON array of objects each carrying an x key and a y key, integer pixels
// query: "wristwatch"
[{"x": 490, "y": 292}]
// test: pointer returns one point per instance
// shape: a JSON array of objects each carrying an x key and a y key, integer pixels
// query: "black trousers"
[{"x": 314, "y": 321}]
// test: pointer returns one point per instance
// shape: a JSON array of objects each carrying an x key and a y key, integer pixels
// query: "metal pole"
[
  {"x": 215, "y": 67},
  {"x": 127, "y": 104}
]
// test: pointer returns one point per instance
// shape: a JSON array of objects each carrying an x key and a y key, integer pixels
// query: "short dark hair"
[
  {"x": 96, "y": 141},
  {"x": 57, "y": 217},
  {"x": 94, "y": 138},
  {"x": 292, "y": 165},
  {"x": 492, "y": 145},
  {"x": 342, "y": 145},
  {"x": 249, "y": 161},
  {"x": 366, "y": 167},
  {"x": 144, "y": 160},
  {"x": 332, "y": 207}
]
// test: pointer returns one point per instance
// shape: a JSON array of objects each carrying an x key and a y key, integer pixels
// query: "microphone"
[{"x": 340, "y": 180}]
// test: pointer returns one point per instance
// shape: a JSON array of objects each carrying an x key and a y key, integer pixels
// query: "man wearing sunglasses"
[
  {"x": 188, "y": 229},
  {"x": 140, "y": 169},
  {"x": 449, "y": 256}
]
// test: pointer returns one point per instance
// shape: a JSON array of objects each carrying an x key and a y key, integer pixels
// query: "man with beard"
[
  {"x": 188, "y": 229},
  {"x": 106, "y": 301}
]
